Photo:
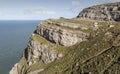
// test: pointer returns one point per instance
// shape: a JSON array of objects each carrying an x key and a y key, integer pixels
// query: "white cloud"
[
  {"x": 75, "y": 6},
  {"x": 27, "y": 13},
  {"x": 75, "y": 3},
  {"x": 40, "y": 10}
]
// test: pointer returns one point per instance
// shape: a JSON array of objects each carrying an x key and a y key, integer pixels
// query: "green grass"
[
  {"x": 23, "y": 67},
  {"x": 37, "y": 66},
  {"x": 82, "y": 22},
  {"x": 98, "y": 55},
  {"x": 72, "y": 62}
]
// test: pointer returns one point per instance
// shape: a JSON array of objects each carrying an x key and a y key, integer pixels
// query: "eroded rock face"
[
  {"x": 41, "y": 51},
  {"x": 105, "y": 12},
  {"x": 61, "y": 36}
]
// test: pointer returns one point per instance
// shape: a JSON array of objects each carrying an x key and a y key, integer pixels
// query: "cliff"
[
  {"x": 82, "y": 45},
  {"x": 106, "y": 12}
]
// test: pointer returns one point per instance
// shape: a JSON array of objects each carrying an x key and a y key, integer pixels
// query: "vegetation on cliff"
[{"x": 72, "y": 46}]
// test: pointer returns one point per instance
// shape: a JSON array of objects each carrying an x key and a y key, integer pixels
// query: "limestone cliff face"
[
  {"x": 74, "y": 46},
  {"x": 106, "y": 12},
  {"x": 60, "y": 35},
  {"x": 47, "y": 43},
  {"x": 41, "y": 51}
]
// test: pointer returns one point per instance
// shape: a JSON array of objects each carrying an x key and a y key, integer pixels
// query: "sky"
[{"x": 44, "y": 9}]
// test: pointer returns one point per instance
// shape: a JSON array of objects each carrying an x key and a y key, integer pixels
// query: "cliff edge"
[{"x": 88, "y": 44}]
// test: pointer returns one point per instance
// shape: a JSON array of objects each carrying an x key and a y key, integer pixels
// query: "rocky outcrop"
[
  {"x": 61, "y": 36},
  {"x": 41, "y": 51},
  {"x": 105, "y": 12},
  {"x": 46, "y": 41}
]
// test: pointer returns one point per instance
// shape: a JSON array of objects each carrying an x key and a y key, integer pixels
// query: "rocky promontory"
[
  {"x": 105, "y": 12},
  {"x": 88, "y": 44}
]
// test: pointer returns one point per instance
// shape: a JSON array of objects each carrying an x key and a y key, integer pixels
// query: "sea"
[{"x": 14, "y": 36}]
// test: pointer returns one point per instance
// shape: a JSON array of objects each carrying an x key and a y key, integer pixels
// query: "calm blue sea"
[{"x": 14, "y": 36}]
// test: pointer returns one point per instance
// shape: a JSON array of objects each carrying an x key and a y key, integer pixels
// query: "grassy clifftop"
[
  {"x": 99, "y": 55},
  {"x": 72, "y": 46}
]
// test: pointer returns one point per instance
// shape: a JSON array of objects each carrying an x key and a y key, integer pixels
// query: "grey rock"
[
  {"x": 43, "y": 52},
  {"x": 104, "y": 12},
  {"x": 61, "y": 36}
]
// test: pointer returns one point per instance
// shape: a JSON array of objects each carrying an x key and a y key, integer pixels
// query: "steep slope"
[
  {"x": 106, "y": 12},
  {"x": 72, "y": 46}
]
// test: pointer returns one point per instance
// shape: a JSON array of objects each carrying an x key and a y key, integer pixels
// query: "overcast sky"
[{"x": 43, "y": 9}]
